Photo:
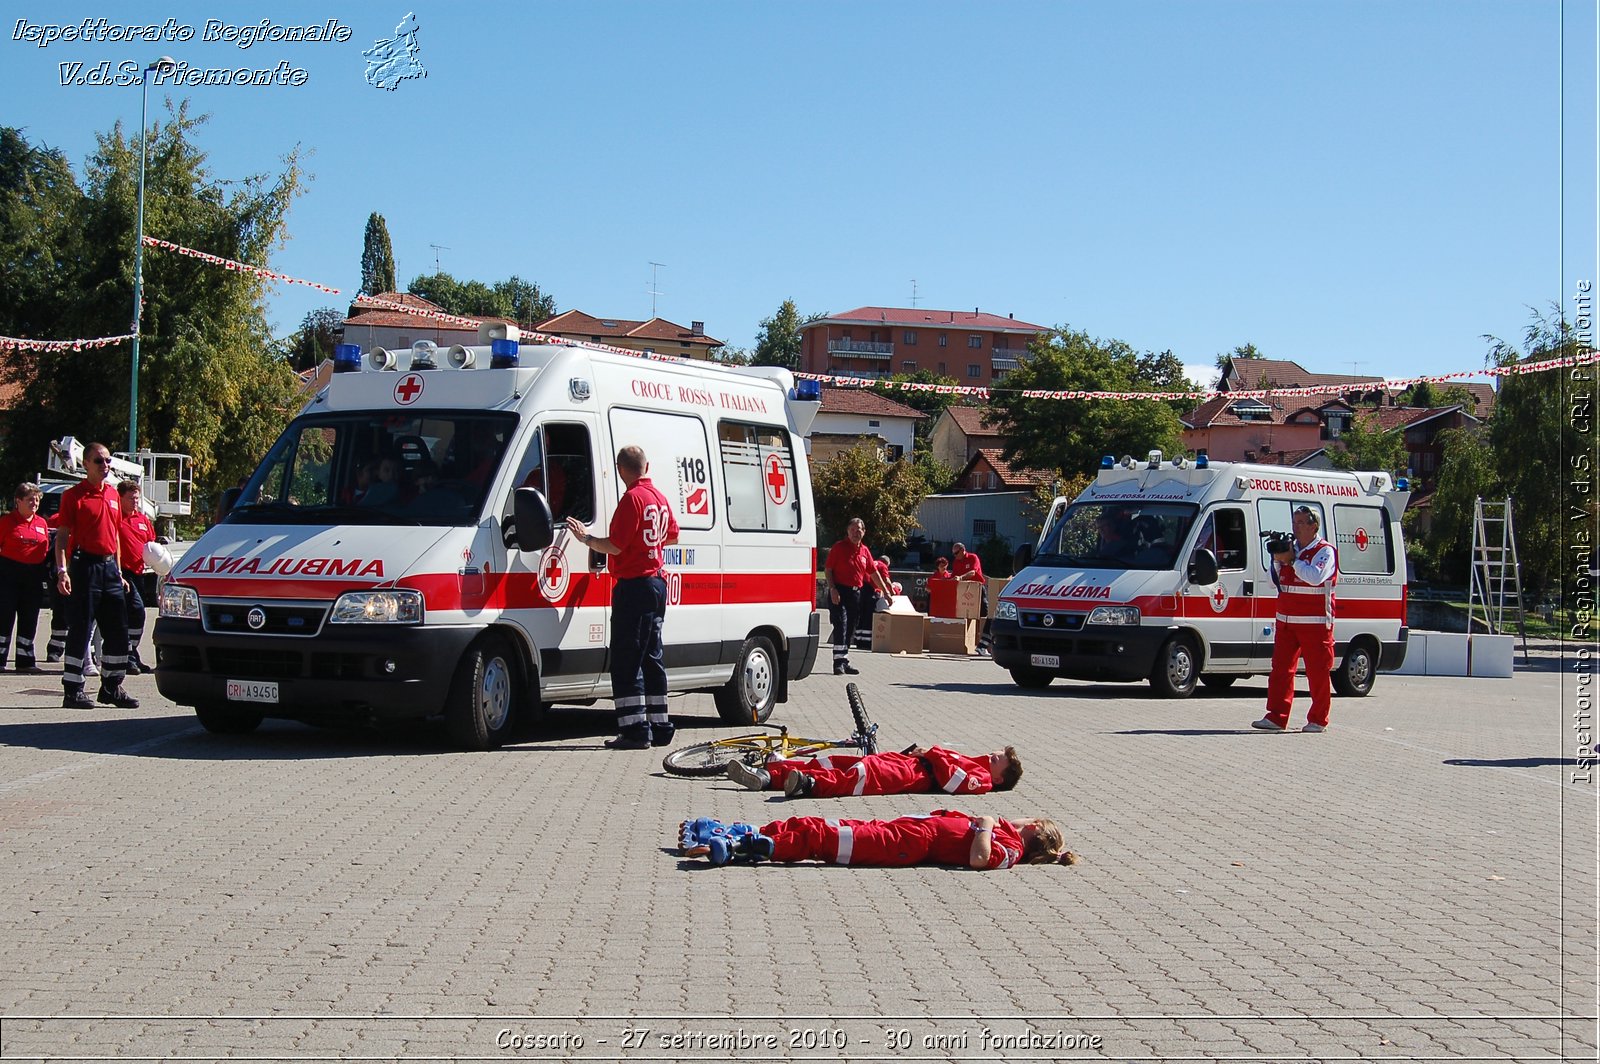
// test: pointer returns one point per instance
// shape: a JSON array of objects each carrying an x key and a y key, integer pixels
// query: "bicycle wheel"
[
  {"x": 711, "y": 759},
  {"x": 865, "y": 729}
]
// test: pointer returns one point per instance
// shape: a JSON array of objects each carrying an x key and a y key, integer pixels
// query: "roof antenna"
[
  {"x": 654, "y": 266},
  {"x": 436, "y": 249},
  {"x": 913, "y": 293}
]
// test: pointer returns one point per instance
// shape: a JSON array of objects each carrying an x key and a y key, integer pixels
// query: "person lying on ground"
[
  {"x": 942, "y": 837},
  {"x": 912, "y": 771}
]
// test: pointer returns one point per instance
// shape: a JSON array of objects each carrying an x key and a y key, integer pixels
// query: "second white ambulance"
[
  {"x": 1158, "y": 571},
  {"x": 401, "y": 551}
]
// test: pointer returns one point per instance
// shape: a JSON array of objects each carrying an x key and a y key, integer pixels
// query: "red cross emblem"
[
  {"x": 1361, "y": 539},
  {"x": 553, "y": 572},
  {"x": 776, "y": 481},
  {"x": 409, "y": 390},
  {"x": 1219, "y": 599}
]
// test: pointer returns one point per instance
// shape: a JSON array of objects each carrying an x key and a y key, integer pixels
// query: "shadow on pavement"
[
  {"x": 1194, "y": 732},
  {"x": 1070, "y": 689},
  {"x": 1511, "y": 762}
]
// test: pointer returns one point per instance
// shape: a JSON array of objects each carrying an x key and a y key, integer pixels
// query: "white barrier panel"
[
  {"x": 1491, "y": 655},
  {"x": 1416, "y": 663},
  {"x": 1447, "y": 653}
]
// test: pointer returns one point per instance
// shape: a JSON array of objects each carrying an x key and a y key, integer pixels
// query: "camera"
[{"x": 1278, "y": 542}]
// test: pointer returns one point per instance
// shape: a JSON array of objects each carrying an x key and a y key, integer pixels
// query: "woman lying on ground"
[
  {"x": 942, "y": 837},
  {"x": 912, "y": 771}
]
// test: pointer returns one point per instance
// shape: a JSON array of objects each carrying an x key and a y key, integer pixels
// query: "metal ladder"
[{"x": 1496, "y": 585}]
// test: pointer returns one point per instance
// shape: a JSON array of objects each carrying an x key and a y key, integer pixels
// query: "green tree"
[
  {"x": 1466, "y": 471},
  {"x": 859, "y": 483},
  {"x": 936, "y": 476},
  {"x": 1367, "y": 446},
  {"x": 209, "y": 383},
  {"x": 778, "y": 342},
  {"x": 1072, "y": 434},
  {"x": 1419, "y": 394},
  {"x": 1458, "y": 395},
  {"x": 316, "y": 337},
  {"x": 1534, "y": 438},
  {"x": 1245, "y": 350},
  {"x": 728, "y": 355},
  {"x": 521, "y": 301},
  {"x": 377, "y": 257},
  {"x": 40, "y": 243}
]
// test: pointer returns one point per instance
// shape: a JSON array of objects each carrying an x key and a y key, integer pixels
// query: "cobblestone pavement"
[{"x": 1418, "y": 883}]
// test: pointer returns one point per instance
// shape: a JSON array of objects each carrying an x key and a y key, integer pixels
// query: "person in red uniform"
[
  {"x": 850, "y": 569},
  {"x": 965, "y": 565},
  {"x": 91, "y": 517},
  {"x": 1306, "y": 577},
  {"x": 24, "y": 570},
  {"x": 942, "y": 837},
  {"x": 941, "y": 570},
  {"x": 912, "y": 771},
  {"x": 136, "y": 531},
  {"x": 641, "y": 528}
]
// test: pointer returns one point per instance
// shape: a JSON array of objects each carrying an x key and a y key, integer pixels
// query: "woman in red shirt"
[{"x": 24, "y": 569}]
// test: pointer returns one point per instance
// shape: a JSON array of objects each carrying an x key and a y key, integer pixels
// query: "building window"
[
  {"x": 983, "y": 530},
  {"x": 872, "y": 424},
  {"x": 896, "y": 452},
  {"x": 909, "y": 365},
  {"x": 974, "y": 370},
  {"x": 910, "y": 338},
  {"x": 975, "y": 341},
  {"x": 944, "y": 341},
  {"x": 941, "y": 367}
]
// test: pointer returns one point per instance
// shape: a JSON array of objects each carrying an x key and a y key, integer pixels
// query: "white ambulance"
[
  {"x": 402, "y": 552},
  {"x": 1158, "y": 571}
]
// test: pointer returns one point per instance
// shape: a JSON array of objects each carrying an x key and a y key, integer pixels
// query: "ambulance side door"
[
  {"x": 1225, "y": 610},
  {"x": 562, "y": 595}
]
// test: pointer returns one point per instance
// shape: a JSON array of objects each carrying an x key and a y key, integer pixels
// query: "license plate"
[
  {"x": 252, "y": 691},
  {"x": 1045, "y": 661}
]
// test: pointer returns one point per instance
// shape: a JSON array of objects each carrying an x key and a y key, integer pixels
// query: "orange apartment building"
[{"x": 973, "y": 347}]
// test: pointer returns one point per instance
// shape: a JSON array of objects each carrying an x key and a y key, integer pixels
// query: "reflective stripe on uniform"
[
  {"x": 955, "y": 781},
  {"x": 846, "y": 844}
]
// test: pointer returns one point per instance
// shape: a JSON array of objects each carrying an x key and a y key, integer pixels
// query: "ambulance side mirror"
[
  {"x": 1202, "y": 567},
  {"x": 535, "y": 527},
  {"x": 230, "y": 499},
  {"x": 1020, "y": 560}
]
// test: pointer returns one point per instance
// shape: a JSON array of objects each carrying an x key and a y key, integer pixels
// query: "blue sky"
[{"x": 1362, "y": 187}]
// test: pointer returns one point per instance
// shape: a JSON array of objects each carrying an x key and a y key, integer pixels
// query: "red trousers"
[
  {"x": 1315, "y": 642},
  {"x": 885, "y": 843}
]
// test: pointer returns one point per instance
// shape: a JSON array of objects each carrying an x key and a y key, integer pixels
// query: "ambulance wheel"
[
  {"x": 220, "y": 719},
  {"x": 748, "y": 697},
  {"x": 482, "y": 702},
  {"x": 1357, "y": 672},
  {"x": 1031, "y": 679},
  {"x": 1216, "y": 682},
  {"x": 1177, "y": 668}
]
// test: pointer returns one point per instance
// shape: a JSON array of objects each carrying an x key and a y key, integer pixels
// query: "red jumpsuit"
[
  {"x": 942, "y": 837},
  {"x": 1305, "y": 627},
  {"x": 843, "y": 775}
]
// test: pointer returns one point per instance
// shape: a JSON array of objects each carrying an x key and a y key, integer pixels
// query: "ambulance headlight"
[
  {"x": 1006, "y": 611},
  {"x": 1114, "y": 615},
  {"x": 179, "y": 601},
  {"x": 378, "y": 607}
]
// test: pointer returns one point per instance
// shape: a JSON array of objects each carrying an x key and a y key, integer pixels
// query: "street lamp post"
[{"x": 166, "y": 62}]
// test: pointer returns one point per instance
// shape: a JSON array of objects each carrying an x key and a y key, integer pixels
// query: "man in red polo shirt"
[
  {"x": 850, "y": 572},
  {"x": 641, "y": 528},
  {"x": 91, "y": 520}
]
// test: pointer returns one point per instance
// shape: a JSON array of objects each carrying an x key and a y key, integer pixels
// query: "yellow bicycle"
[{"x": 712, "y": 758}]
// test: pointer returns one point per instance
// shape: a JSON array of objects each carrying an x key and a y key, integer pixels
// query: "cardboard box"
[
  {"x": 955, "y": 598},
  {"x": 997, "y": 584},
  {"x": 898, "y": 633},
  {"x": 952, "y": 635}
]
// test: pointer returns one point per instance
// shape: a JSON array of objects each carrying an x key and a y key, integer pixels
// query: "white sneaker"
[
  {"x": 1266, "y": 725},
  {"x": 91, "y": 669},
  {"x": 1314, "y": 729}
]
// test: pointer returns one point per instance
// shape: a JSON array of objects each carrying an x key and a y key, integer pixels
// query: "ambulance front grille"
[
  {"x": 229, "y": 617},
  {"x": 255, "y": 664}
]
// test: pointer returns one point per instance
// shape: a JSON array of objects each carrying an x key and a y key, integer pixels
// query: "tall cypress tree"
[{"x": 377, "y": 258}]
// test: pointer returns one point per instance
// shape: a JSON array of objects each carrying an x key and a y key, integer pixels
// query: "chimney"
[
  {"x": 1013, "y": 317},
  {"x": 697, "y": 328}
]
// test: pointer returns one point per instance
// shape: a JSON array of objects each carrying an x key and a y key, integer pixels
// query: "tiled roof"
[
  {"x": 1248, "y": 373},
  {"x": 1218, "y": 411},
  {"x": 1010, "y": 476},
  {"x": 865, "y": 401},
  {"x": 969, "y": 419},
  {"x": 1394, "y": 417},
  {"x": 921, "y": 318},
  {"x": 1288, "y": 458},
  {"x": 578, "y": 325}
]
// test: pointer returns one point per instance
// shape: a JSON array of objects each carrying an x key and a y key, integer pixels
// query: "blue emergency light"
[
  {"x": 1402, "y": 484},
  {"x": 1201, "y": 462},
  {"x": 807, "y": 391},
  {"x": 503, "y": 354},
  {"x": 346, "y": 358},
  {"x": 1108, "y": 462}
]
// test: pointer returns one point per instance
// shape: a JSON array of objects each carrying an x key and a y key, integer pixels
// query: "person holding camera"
[{"x": 1305, "y": 570}]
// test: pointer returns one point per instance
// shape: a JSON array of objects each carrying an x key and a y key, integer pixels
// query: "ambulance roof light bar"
[
  {"x": 503, "y": 354},
  {"x": 347, "y": 358}
]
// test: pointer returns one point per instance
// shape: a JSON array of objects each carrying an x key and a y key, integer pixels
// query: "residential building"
[
  {"x": 991, "y": 499},
  {"x": 850, "y": 415},
  {"x": 960, "y": 433},
  {"x": 973, "y": 348},
  {"x": 658, "y": 336},
  {"x": 371, "y": 327}
]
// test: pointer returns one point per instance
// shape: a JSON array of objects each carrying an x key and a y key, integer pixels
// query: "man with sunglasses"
[
  {"x": 1305, "y": 577},
  {"x": 91, "y": 582}
]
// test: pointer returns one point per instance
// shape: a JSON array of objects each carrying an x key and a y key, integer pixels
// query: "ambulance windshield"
[
  {"x": 1121, "y": 535},
  {"x": 379, "y": 468}
]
